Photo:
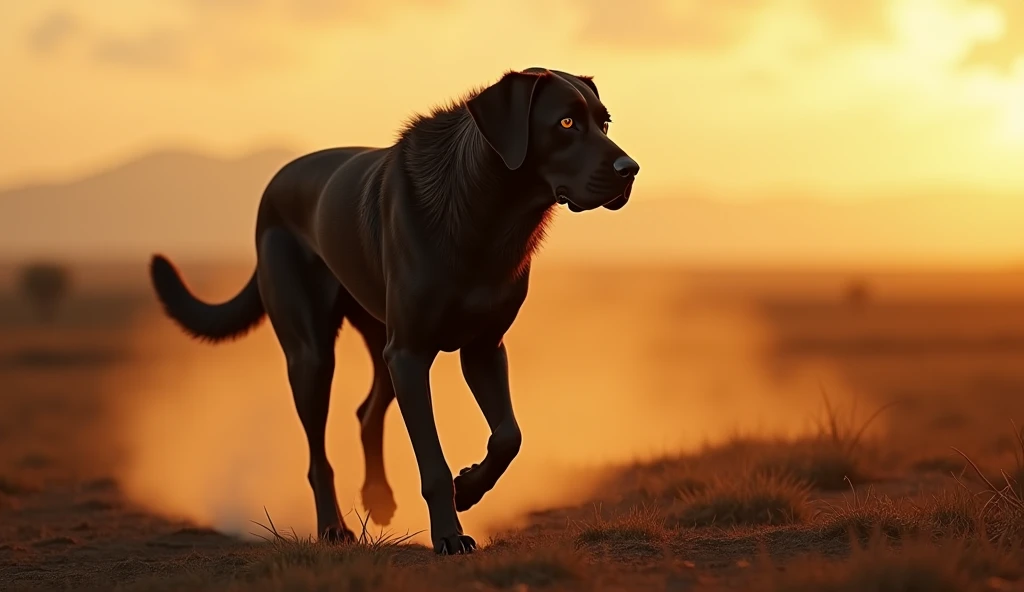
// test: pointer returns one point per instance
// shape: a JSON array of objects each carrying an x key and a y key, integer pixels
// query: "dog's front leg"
[
  {"x": 485, "y": 367},
  {"x": 410, "y": 374}
]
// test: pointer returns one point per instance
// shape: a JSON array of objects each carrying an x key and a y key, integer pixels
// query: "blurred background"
[{"x": 830, "y": 201}]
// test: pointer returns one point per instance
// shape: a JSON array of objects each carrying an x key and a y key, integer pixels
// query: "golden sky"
[{"x": 735, "y": 98}]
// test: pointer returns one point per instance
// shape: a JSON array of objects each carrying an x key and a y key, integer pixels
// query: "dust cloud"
[{"x": 603, "y": 371}]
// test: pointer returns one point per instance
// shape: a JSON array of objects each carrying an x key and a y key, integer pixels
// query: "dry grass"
[
  {"x": 532, "y": 568},
  {"x": 388, "y": 563},
  {"x": 304, "y": 567},
  {"x": 12, "y": 487},
  {"x": 289, "y": 562},
  {"x": 640, "y": 530},
  {"x": 351, "y": 569},
  {"x": 834, "y": 457},
  {"x": 818, "y": 462},
  {"x": 382, "y": 541},
  {"x": 316, "y": 566},
  {"x": 939, "y": 464},
  {"x": 872, "y": 515},
  {"x": 952, "y": 513},
  {"x": 1003, "y": 510},
  {"x": 879, "y": 566},
  {"x": 756, "y": 499},
  {"x": 662, "y": 481}
]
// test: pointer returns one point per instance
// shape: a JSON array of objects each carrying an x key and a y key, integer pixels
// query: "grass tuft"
[
  {"x": 954, "y": 513},
  {"x": 870, "y": 517},
  {"x": 369, "y": 554},
  {"x": 1003, "y": 510},
  {"x": 949, "y": 514},
  {"x": 757, "y": 499},
  {"x": 381, "y": 541},
  {"x": 831, "y": 459},
  {"x": 641, "y": 529},
  {"x": 818, "y": 463}
]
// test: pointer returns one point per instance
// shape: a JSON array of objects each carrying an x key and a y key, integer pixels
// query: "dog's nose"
[{"x": 625, "y": 166}]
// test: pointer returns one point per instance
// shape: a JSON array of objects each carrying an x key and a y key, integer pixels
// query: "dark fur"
[{"x": 424, "y": 247}]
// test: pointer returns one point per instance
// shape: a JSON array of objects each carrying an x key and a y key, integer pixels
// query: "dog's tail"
[{"x": 203, "y": 321}]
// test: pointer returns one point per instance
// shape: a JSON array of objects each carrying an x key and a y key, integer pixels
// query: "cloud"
[
  {"x": 311, "y": 12},
  {"x": 155, "y": 49},
  {"x": 215, "y": 37},
  {"x": 1007, "y": 47},
  {"x": 194, "y": 43},
  {"x": 698, "y": 27},
  {"x": 54, "y": 31},
  {"x": 861, "y": 20},
  {"x": 333, "y": 11},
  {"x": 701, "y": 26},
  {"x": 659, "y": 24}
]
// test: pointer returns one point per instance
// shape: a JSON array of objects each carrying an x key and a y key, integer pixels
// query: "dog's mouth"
[
  {"x": 562, "y": 198},
  {"x": 621, "y": 200}
]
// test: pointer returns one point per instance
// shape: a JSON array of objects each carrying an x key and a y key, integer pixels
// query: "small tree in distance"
[
  {"x": 857, "y": 293},
  {"x": 45, "y": 285}
]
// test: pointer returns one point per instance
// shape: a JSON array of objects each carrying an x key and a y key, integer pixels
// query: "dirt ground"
[{"x": 684, "y": 430}]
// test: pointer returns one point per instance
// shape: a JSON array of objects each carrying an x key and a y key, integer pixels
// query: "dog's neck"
[{"x": 492, "y": 217}]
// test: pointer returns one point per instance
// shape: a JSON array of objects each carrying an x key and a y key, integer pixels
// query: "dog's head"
[{"x": 554, "y": 126}]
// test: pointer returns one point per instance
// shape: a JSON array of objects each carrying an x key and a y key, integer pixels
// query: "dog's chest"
[
  {"x": 480, "y": 300},
  {"x": 477, "y": 309}
]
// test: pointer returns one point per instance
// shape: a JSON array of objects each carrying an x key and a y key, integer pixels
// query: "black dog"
[{"x": 424, "y": 246}]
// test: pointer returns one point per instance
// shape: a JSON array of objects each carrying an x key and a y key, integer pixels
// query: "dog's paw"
[
  {"x": 455, "y": 545},
  {"x": 337, "y": 534},
  {"x": 379, "y": 501},
  {"x": 468, "y": 488}
]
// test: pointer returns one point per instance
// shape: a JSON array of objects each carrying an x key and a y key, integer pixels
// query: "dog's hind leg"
[
  {"x": 378, "y": 498},
  {"x": 303, "y": 301}
]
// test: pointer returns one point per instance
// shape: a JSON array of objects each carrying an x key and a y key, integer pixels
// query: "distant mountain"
[
  {"x": 178, "y": 201},
  {"x": 195, "y": 206}
]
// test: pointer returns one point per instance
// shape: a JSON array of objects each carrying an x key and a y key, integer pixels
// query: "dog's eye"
[
  {"x": 566, "y": 122},
  {"x": 604, "y": 127}
]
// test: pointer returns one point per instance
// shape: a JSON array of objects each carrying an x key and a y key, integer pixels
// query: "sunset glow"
[
  {"x": 734, "y": 101},
  {"x": 795, "y": 93}
]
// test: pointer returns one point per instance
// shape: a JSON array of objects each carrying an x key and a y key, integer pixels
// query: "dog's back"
[{"x": 292, "y": 195}]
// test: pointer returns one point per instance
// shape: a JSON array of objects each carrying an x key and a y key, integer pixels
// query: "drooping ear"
[
  {"x": 502, "y": 114},
  {"x": 589, "y": 81}
]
